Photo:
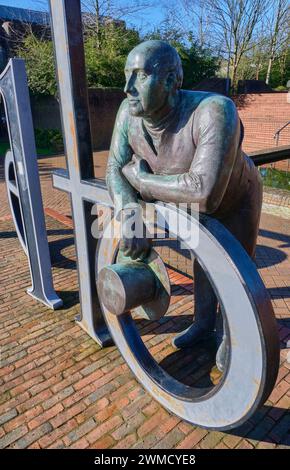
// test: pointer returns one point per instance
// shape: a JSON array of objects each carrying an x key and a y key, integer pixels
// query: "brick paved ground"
[{"x": 59, "y": 389}]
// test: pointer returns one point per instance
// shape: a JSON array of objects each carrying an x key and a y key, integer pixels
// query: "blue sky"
[{"x": 146, "y": 21}]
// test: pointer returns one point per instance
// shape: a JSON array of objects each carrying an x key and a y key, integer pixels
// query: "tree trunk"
[
  {"x": 97, "y": 10},
  {"x": 257, "y": 72},
  {"x": 235, "y": 72},
  {"x": 269, "y": 70}
]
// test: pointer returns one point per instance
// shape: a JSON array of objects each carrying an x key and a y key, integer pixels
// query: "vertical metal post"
[
  {"x": 23, "y": 185},
  {"x": 70, "y": 63}
]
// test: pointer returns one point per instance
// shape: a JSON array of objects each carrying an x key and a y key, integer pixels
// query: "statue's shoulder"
[
  {"x": 206, "y": 101},
  {"x": 122, "y": 120},
  {"x": 217, "y": 103},
  {"x": 123, "y": 112}
]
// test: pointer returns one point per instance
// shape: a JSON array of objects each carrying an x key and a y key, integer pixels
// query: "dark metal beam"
[
  {"x": 70, "y": 63},
  {"x": 271, "y": 155}
]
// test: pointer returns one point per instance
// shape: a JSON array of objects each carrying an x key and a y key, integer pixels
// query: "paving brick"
[
  {"x": 92, "y": 410},
  {"x": 57, "y": 445},
  {"x": 279, "y": 391},
  {"x": 7, "y": 403},
  {"x": 190, "y": 441},
  {"x": 168, "y": 424},
  {"x": 79, "y": 432},
  {"x": 5, "y": 371},
  {"x": 128, "y": 426},
  {"x": 66, "y": 392},
  {"x": 150, "y": 409},
  {"x": 46, "y": 416},
  {"x": 170, "y": 440},
  {"x": 151, "y": 423},
  {"x": 66, "y": 382},
  {"x": 211, "y": 440},
  {"x": 8, "y": 416},
  {"x": 104, "y": 428},
  {"x": 95, "y": 366},
  {"x": 54, "y": 435},
  {"x": 104, "y": 443},
  {"x": 79, "y": 395},
  {"x": 26, "y": 386},
  {"x": 12, "y": 436},
  {"x": 32, "y": 436},
  {"x": 23, "y": 418},
  {"x": 122, "y": 390},
  {"x": 31, "y": 402},
  {"x": 221, "y": 445},
  {"x": 108, "y": 411},
  {"x": 186, "y": 428},
  {"x": 45, "y": 384},
  {"x": 136, "y": 406},
  {"x": 99, "y": 393},
  {"x": 67, "y": 414},
  {"x": 126, "y": 443},
  {"x": 34, "y": 445},
  {"x": 266, "y": 445},
  {"x": 80, "y": 444},
  {"x": 88, "y": 379},
  {"x": 244, "y": 444}
]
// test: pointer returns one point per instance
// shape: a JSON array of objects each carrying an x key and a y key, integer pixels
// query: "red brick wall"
[{"x": 262, "y": 115}]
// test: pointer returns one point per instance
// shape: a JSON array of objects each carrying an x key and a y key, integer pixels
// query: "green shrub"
[
  {"x": 275, "y": 178},
  {"x": 281, "y": 88},
  {"x": 49, "y": 139}
]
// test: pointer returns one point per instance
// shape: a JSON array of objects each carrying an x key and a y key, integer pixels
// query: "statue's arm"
[
  {"x": 216, "y": 133},
  {"x": 121, "y": 192}
]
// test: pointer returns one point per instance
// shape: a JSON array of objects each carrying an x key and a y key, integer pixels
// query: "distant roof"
[
  {"x": 23, "y": 15},
  {"x": 43, "y": 18}
]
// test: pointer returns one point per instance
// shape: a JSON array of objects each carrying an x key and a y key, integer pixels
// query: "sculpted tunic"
[{"x": 195, "y": 155}]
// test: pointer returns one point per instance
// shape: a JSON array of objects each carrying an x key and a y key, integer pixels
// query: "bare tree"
[
  {"x": 235, "y": 24},
  {"x": 188, "y": 17},
  {"x": 227, "y": 26},
  {"x": 100, "y": 12},
  {"x": 278, "y": 22}
]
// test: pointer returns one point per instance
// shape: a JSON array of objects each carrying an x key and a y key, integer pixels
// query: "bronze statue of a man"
[{"x": 182, "y": 146}]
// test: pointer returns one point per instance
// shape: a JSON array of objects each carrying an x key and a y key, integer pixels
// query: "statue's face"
[{"x": 146, "y": 90}]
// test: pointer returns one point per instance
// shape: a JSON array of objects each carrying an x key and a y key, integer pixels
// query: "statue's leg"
[{"x": 205, "y": 307}]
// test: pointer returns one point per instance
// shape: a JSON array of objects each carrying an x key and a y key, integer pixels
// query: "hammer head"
[{"x": 140, "y": 285}]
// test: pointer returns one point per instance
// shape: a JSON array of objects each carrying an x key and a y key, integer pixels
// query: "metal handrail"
[{"x": 277, "y": 133}]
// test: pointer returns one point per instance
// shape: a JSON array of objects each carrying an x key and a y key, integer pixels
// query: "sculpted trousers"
[{"x": 243, "y": 223}]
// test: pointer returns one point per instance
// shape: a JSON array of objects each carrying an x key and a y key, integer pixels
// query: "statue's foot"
[
  {"x": 222, "y": 355},
  {"x": 191, "y": 336}
]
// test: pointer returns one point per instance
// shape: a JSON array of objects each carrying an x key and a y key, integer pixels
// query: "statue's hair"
[{"x": 167, "y": 58}]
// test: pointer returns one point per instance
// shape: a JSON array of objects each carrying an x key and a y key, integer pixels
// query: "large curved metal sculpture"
[{"x": 247, "y": 311}]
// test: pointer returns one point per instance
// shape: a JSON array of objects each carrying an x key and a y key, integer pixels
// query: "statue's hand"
[
  {"x": 133, "y": 242},
  {"x": 136, "y": 248},
  {"x": 135, "y": 170}
]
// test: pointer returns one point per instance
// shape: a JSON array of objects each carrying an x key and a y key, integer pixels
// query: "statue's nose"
[{"x": 129, "y": 87}]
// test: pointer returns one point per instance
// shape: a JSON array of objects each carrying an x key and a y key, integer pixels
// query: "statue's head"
[{"x": 153, "y": 76}]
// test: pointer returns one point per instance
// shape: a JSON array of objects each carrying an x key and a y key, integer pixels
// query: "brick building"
[
  {"x": 263, "y": 114},
  {"x": 15, "y": 22}
]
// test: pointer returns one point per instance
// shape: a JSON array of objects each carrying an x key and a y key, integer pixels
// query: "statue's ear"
[{"x": 171, "y": 81}]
